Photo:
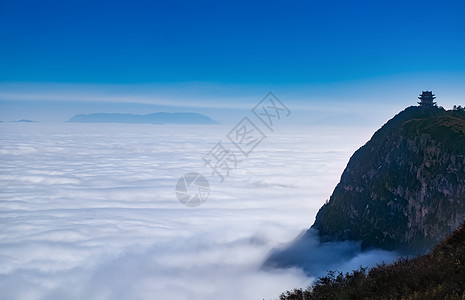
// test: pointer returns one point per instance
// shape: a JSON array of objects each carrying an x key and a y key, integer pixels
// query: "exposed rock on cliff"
[{"x": 405, "y": 188}]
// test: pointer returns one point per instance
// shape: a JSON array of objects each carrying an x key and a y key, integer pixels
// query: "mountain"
[
  {"x": 438, "y": 275},
  {"x": 405, "y": 188},
  {"x": 25, "y": 121},
  {"x": 155, "y": 118}
]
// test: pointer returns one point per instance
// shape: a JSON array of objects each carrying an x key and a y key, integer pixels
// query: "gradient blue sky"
[{"x": 215, "y": 53}]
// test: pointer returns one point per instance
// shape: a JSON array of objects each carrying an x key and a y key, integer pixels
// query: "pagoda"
[{"x": 426, "y": 99}]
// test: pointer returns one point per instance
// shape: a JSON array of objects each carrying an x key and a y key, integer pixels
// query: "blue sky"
[{"x": 229, "y": 49}]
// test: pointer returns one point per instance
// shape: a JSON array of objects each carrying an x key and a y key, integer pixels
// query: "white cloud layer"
[{"x": 89, "y": 212}]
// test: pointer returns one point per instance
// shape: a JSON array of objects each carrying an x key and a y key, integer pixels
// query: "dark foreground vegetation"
[{"x": 437, "y": 275}]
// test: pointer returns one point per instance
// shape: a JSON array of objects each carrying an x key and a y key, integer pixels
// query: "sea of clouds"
[{"x": 89, "y": 211}]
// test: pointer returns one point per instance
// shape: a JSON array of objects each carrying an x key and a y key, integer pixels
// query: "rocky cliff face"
[{"x": 405, "y": 188}]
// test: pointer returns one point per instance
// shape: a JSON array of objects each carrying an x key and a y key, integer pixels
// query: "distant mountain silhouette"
[
  {"x": 24, "y": 121},
  {"x": 155, "y": 118}
]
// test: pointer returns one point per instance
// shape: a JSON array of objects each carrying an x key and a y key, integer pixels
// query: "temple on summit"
[{"x": 426, "y": 99}]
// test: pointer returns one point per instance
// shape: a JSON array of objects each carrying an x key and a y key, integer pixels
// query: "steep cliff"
[{"x": 405, "y": 188}]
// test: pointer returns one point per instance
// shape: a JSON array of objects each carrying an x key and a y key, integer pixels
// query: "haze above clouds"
[
  {"x": 89, "y": 212},
  {"x": 357, "y": 102}
]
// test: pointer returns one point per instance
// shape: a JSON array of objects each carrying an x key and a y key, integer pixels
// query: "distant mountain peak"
[
  {"x": 25, "y": 121},
  {"x": 153, "y": 118}
]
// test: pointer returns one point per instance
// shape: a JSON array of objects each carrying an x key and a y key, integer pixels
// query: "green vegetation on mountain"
[{"x": 438, "y": 275}]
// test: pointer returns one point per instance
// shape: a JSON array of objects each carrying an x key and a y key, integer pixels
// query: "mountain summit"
[{"x": 405, "y": 188}]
